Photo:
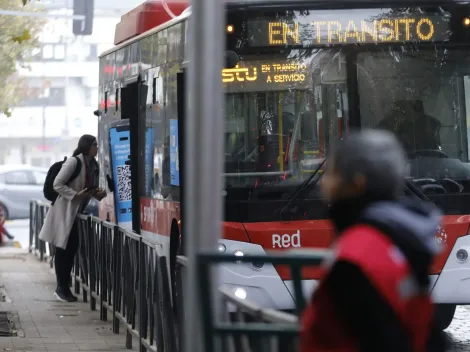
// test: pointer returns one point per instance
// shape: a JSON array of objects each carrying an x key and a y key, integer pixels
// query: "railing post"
[
  {"x": 117, "y": 243},
  {"x": 31, "y": 224},
  {"x": 103, "y": 273},
  {"x": 76, "y": 271},
  {"x": 92, "y": 264},
  {"x": 37, "y": 224},
  {"x": 42, "y": 244},
  {"x": 141, "y": 277}
]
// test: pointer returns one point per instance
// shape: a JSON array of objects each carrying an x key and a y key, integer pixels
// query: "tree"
[{"x": 18, "y": 36}]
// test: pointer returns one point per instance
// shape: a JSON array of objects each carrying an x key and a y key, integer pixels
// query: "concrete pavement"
[{"x": 42, "y": 323}]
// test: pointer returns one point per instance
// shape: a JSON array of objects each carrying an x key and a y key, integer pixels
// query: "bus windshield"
[
  {"x": 279, "y": 118},
  {"x": 418, "y": 93},
  {"x": 306, "y": 76},
  {"x": 421, "y": 95}
]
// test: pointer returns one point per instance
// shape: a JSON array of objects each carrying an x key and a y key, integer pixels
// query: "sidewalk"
[{"x": 42, "y": 323}]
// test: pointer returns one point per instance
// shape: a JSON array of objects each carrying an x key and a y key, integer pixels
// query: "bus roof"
[{"x": 147, "y": 16}]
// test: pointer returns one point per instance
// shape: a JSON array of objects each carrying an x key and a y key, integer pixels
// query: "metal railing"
[
  {"x": 37, "y": 214},
  {"x": 127, "y": 277}
]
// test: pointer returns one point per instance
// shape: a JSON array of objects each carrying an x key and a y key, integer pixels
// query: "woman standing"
[{"x": 60, "y": 228}]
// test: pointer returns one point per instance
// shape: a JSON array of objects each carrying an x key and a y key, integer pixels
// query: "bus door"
[{"x": 133, "y": 99}]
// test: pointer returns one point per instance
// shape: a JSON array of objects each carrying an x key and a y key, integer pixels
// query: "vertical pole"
[
  {"x": 204, "y": 150},
  {"x": 43, "y": 126}
]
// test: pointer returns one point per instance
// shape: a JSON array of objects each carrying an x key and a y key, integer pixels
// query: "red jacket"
[{"x": 385, "y": 268}]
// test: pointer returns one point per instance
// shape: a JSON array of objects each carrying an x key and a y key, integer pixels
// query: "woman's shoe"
[{"x": 65, "y": 295}]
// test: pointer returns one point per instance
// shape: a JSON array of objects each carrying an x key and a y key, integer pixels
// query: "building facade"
[{"x": 62, "y": 74}]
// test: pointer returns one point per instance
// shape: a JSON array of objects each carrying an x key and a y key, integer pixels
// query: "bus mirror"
[
  {"x": 334, "y": 72},
  {"x": 231, "y": 59}
]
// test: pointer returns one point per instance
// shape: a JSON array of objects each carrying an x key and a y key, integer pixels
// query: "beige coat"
[{"x": 61, "y": 215}]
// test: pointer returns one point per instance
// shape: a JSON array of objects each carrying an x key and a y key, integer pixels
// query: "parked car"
[{"x": 18, "y": 185}]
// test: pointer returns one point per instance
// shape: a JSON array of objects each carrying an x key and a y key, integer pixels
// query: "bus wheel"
[{"x": 444, "y": 314}]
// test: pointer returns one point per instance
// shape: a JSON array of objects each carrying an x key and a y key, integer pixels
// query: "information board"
[
  {"x": 268, "y": 75},
  {"x": 120, "y": 151},
  {"x": 174, "y": 154},
  {"x": 332, "y": 27}
]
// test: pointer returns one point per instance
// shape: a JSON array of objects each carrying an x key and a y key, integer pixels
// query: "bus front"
[{"x": 306, "y": 75}]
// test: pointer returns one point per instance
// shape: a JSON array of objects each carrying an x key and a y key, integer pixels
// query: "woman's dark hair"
[{"x": 84, "y": 144}]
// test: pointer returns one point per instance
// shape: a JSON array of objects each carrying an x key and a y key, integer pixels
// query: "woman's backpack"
[{"x": 49, "y": 191}]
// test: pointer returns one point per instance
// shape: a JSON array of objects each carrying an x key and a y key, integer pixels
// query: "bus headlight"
[
  {"x": 240, "y": 293},
  {"x": 238, "y": 253},
  {"x": 221, "y": 248},
  {"x": 462, "y": 255}
]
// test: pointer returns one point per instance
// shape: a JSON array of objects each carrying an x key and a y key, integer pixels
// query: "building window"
[
  {"x": 93, "y": 52},
  {"x": 53, "y": 52},
  {"x": 56, "y": 97},
  {"x": 88, "y": 97},
  {"x": 47, "y": 52},
  {"x": 59, "y": 52}
]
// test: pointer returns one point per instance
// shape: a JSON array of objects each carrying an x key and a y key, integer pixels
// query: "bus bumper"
[
  {"x": 452, "y": 285},
  {"x": 260, "y": 284},
  {"x": 263, "y": 286}
]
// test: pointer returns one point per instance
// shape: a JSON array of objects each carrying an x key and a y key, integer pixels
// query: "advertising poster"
[
  {"x": 120, "y": 150},
  {"x": 174, "y": 158}
]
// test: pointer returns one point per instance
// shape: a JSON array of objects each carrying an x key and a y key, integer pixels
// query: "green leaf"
[
  {"x": 25, "y": 2},
  {"x": 23, "y": 37},
  {"x": 7, "y": 112}
]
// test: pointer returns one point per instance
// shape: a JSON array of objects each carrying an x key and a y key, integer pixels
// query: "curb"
[{"x": 14, "y": 244}]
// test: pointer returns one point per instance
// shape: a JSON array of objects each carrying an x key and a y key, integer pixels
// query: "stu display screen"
[
  {"x": 306, "y": 28},
  {"x": 267, "y": 75}
]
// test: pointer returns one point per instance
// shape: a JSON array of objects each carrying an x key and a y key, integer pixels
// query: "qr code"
[{"x": 124, "y": 182}]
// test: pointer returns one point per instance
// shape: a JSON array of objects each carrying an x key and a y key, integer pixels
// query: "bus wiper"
[{"x": 303, "y": 187}]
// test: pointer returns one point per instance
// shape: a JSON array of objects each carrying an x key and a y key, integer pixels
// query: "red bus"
[{"x": 306, "y": 72}]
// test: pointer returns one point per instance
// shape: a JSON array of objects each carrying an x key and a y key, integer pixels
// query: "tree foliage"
[{"x": 18, "y": 36}]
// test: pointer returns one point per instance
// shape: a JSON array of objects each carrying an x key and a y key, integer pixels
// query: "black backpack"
[{"x": 48, "y": 190}]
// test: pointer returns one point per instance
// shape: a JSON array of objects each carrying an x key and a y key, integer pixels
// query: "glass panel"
[
  {"x": 281, "y": 115},
  {"x": 122, "y": 62},
  {"x": 146, "y": 53},
  {"x": 134, "y": 59},
  {"x": 175, "y": 48},
  {"x": 419, "y": 94},
  {"x": 162, "y": 47}
]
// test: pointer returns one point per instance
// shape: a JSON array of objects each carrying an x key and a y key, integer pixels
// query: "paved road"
[
  {"x": 43, "y": 324},
  {"x": 458, "y": 332}
]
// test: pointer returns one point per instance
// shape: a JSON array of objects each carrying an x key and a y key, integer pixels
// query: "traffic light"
[{"x": 83, "y": 8}]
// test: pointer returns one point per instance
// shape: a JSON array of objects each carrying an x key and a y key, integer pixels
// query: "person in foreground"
[
  {"x": 374, "y": 295},
  {"x": 76, "y": 183}
]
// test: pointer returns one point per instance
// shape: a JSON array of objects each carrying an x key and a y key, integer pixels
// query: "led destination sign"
[
  {"x": 267, "y": 75},
  {"x": 346, "y": 27}
]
